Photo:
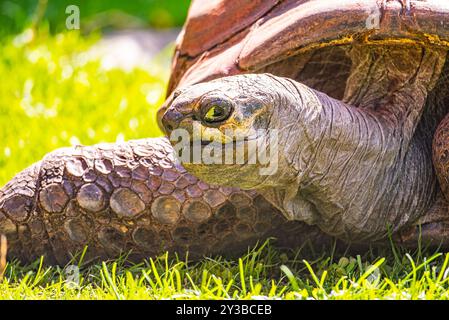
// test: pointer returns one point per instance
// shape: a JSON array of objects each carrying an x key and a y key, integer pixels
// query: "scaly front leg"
[{"x": 132, "y": 196}]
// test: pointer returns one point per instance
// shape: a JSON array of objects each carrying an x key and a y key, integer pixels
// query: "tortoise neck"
[
  {"x": 348, "y": 165},
  {"x": 330, "y": 134},
  {"x": 384, "y": 100}
]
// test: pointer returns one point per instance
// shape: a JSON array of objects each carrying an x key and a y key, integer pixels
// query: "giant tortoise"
[{"x": 354, "y": 89}]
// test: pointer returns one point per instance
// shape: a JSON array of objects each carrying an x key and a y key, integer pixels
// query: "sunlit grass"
[
  {"x": 262, "y": 273},
  {"x": 54, "y": 94}
]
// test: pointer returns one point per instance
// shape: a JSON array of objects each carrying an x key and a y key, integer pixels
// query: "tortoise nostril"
[
  {"x": 171, "y": 120},
  {"x": 169, "y": 127}
]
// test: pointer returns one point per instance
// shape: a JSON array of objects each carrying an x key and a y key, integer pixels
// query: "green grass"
[
  {"x": 53, "y": 95},
  {"x": 262, "y": 273}
]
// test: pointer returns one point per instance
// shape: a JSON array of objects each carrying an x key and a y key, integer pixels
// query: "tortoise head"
[
  {"x": 215, "y": 125},
  {"x": 231, "y": 103}
]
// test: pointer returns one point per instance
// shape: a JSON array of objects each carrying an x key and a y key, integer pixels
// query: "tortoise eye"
[{"x": 217, "y": 111}]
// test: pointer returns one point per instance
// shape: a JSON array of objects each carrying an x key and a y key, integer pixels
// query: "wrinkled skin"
[{"x": 358, "y": 169}]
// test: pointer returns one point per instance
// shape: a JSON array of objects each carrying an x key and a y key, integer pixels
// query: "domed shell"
[{"x": 227, "y": 37}]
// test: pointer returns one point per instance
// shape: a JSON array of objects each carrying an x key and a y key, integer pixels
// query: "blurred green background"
[
  {"x": 95, "y": 14},
  {"x": 56, "y": 91}
]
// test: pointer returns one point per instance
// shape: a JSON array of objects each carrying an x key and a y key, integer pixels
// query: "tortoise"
[{"x": 356, "y": 90}]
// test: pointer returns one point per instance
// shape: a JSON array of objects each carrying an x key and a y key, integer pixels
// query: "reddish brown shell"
[{"x": 226, "y": 37}]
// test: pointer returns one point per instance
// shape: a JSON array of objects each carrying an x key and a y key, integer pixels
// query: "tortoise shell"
[{"x": 226, "y": 37}]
